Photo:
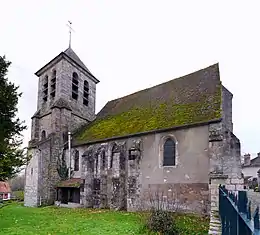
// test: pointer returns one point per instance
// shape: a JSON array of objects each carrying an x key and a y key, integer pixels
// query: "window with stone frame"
[
  {"x": 75, "y": 86},
  {"x": 45, "y": 88},
  {"x": 96, "y": 164},
  {"x": 43, "y": 135},
  {"x": 169, "y": 152},
  {"x": 76, "y": 161},
  {"x": 65, "y": 139},
  {"x": 112, "y": 156},
  {"x": 86, "y": 93},
  {"x": 53, "y": 84},
  {"x": 103, "y": 160}
]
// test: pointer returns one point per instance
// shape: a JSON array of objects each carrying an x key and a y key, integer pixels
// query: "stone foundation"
[{"x": 192, "y": 198}]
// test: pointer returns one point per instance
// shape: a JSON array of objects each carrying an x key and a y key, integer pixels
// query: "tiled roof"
[
  {"x": 4, "y": 187},
  {"x": 190, "y": 99}
]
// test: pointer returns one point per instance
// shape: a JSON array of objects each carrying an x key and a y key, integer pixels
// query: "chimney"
[{"x": 247, "y": 159}]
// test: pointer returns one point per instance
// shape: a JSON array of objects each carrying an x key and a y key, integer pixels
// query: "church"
[{"x": 162, "y": 144}]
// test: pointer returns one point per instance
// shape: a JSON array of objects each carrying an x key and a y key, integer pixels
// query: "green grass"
[{"x": 16, "y": 219}]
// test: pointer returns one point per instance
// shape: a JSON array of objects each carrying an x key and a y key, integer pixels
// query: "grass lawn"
[{"x": 16, "y": 219}]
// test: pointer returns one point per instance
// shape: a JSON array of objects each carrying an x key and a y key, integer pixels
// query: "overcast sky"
[{"x": 131, "y": 45}]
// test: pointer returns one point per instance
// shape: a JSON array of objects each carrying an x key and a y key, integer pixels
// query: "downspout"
[
  {"x": 40, "y": 178},
  {"x": 69, "y": 146}
]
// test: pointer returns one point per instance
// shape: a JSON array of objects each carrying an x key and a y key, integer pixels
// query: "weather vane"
[{"x": 70, "y": 30}]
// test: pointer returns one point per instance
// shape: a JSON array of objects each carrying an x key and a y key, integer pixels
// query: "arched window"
[
  {"x": 111, "y": 160},
  {"x": 65, "y": 138},
  {"x": 96, "y": 163},
  {"x": 76, "y": 161},
  {"x": 169, "y": 150},
  {"x": 103, "y": 160},
  {"x": 115, "y": 157},
  {"x": 53, "y": 84},
  {"x": 45, "y": 88},
  {"x": 86, "y": 93},
  {"x": 43, "y": 135},
  {"x": 75, "y": 86}
]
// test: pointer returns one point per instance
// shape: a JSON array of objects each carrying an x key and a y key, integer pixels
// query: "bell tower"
[{"x": 66, "y": 101}]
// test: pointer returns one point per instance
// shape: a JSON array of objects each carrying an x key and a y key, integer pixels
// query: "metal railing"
[{"x": 235, "y": 213}]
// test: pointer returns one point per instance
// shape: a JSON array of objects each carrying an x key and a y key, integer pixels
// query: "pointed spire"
[{"x": 70, "y": 53}]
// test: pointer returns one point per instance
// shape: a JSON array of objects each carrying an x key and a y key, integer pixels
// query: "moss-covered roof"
[
  {"x": 190, "y": 99},
  {"x": 70, "y": 183}
]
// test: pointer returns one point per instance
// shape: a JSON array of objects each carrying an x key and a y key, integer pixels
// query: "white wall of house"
[
  {"x": 250, "y": 171},
  {"x": 5, "y": 196}
]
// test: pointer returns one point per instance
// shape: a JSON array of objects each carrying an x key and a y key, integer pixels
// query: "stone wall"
[
  {"x": 104, "y": 173},
  {"x": 56, "y": 117},
  {"x": 77, "y": 105},
  {"x": 254, "y": 197},
  {"x": 45, "y": 177},
  {"x": 179, "y": 197},
  {"x": 227, "y": 108},
  {"x": 225, "y": 168},
  {"x": 224, "y": 152},
  {"x": 44, "y": 106},
  {"x": 137, "y": 175},
  {"x": 31, "y": 179},
  {"x": 134, "y": 176}
]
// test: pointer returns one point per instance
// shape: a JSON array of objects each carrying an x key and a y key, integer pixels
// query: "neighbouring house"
[
  {"x": 5, "y": 191},
  {"x": 170, "y": 139},
  {"x": 251, "y": 166}
]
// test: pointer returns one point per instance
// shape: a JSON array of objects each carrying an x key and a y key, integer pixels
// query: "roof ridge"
[{"x": 174, "y": 79}]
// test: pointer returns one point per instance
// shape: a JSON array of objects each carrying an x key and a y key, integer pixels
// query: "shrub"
[
  {"x": 18, "y": 195},
  {"x": 161, "y": 221}
]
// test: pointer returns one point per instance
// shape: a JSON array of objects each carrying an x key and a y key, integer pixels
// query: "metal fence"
[{"x": 235, "y": 213}]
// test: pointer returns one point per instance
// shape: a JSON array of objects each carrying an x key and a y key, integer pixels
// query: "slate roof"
[
  {"x": 190, "y": 99},
  {"x": 254, "y": 162},
  {"x": 73, "y": 56},
  {"x": 70, "y": 53},
  {"x": 4, "y": 187}
]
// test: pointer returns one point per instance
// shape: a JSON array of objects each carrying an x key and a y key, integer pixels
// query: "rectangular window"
[
  {"x": 86, "y": 93},
  {"x": 45, "y": 88},
  {"x": 75, "y": 86},
  {"x": 53, "y": 84}
]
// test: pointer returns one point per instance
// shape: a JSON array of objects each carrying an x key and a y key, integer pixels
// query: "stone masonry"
[
  {"x": 225, "y": 168},
  {"x": 57, "y": 113},
  {"x": 127, "y": 173}
]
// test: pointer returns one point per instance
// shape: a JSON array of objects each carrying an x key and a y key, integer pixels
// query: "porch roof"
[{"x": 70, "y": 183}]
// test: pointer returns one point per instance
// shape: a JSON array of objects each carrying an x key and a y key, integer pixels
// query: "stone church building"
[{"x": 165, "y": 143}]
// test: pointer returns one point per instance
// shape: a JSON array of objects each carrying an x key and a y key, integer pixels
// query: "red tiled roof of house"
[{"x": 4, "y": 187}]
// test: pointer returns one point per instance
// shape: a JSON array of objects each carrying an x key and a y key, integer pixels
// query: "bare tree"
[{"x": 17, "y": 183}]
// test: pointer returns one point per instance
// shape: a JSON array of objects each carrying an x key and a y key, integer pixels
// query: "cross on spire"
[{"x": 70, "y": 30}]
